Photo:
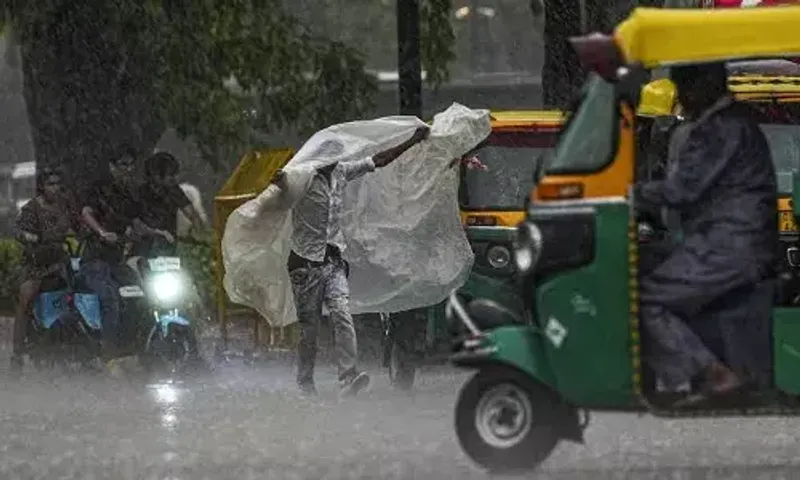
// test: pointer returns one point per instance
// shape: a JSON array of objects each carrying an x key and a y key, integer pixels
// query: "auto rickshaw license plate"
[{"x": 786, "y": 222}]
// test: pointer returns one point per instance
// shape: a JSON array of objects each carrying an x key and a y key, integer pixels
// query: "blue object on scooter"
[
  {"x": 49, "y": 307},
  {"x": 168, "y": 319},
  {"x": 88, "y": 305}
]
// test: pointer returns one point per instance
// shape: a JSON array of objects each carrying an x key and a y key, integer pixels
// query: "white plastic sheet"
[{"x": 405, "y": 243}]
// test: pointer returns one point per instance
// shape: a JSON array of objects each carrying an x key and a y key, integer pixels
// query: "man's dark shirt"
[
  {"x": 115, "y": 209},
  {"x": 159, "y": 210}
]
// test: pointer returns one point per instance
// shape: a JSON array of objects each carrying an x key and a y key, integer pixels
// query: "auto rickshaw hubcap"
[{"x": 503, "y": 416}]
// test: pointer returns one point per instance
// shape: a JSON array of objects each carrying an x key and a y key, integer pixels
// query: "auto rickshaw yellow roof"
[
  {"x": 655, "y": 37},
  {"x": 527, "y": 118}
]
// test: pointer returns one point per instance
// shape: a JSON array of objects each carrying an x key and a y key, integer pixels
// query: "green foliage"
[
  {"x": 437, "y": 39},
  {"x": 198, "y": 259},
  {"x": 10, "y": 256},
  {"x": 217, "y": 70},
  {"x": 371, "y": 27}
]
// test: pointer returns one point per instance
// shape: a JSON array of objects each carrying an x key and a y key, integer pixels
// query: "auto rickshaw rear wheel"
[{"x": 503, "y": 420}]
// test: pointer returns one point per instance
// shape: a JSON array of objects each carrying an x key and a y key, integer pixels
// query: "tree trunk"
[
  {"x": 561, "y": 73},
  {"x": 84, "y": 97}
]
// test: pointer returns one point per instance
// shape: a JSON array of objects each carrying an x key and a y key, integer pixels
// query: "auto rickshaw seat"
[{"x": 488, "y": 314}]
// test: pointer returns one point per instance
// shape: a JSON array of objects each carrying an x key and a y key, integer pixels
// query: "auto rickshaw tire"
[
  {"x": 402, "y": 370},
  {"x": 533, "y": 442}
]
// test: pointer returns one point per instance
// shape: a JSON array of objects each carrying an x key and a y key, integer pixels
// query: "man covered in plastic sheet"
[
  {"x": 722, "y": 185},
  {"x": 316, "y": 267}
]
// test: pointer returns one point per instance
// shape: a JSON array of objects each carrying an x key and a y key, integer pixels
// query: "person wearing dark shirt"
[
  {"x": 42, "y": 227},
  {"x": 112, "y": 213},
  {"x": 722, "y": 187},
  {"x": 161, "y": 198}
]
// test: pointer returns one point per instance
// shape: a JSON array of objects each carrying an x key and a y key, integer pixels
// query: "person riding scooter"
[
  {"x": 162, "y": 199},
  {"x": 111, "y": 213},
  {"x": 42, "y": 227}
]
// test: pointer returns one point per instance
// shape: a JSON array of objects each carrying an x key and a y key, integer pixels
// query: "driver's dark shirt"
[
  {"x": 160, "y": 207},
  {"x": 159, "y": 210},
  {"x": 115, "y": 208}
]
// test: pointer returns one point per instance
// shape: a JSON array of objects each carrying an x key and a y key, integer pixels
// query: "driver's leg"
[
  {"x": 98, "y": 278},
  {"x": 28, "y": 291}
]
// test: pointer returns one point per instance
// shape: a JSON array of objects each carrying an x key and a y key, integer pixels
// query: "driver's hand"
[
  {"x": 168, "y": 237},
  {"x": 109, "y": 237},
  {"x": 30, "y": 237}
]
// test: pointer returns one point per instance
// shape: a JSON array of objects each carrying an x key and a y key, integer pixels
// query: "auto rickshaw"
[
  {"x": 491, "y": 207},
  {"x": 578, "y": 348}
]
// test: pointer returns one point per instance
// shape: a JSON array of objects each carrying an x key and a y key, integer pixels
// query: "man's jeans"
[
  {"x": 314, "y": 286},
  {"x": 98, "y": 276}
]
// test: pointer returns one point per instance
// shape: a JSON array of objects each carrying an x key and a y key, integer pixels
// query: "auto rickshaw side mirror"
[{"x": 796, "y": 193}]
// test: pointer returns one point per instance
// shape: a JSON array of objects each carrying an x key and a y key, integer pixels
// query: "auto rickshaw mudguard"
[
  {"x": 502, "y": 290},
  {"x": 517, "y": 346}
]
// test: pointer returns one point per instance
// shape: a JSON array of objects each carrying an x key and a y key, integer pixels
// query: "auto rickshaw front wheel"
[{"x": 502, "y": 420}]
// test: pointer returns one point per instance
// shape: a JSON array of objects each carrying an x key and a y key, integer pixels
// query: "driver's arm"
[
  {"x": 141, "y": 228},
  {"x": 198, "y": 224},
  {"x": 185, "y": 205},
  {"x": 708, "y": 150},
  {"x": 89, "y": 210},
  {"x": 27, "y": 226},
  {"x": 89, "y": 219}
]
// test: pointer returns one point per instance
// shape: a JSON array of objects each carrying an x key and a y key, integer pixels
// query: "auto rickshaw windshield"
[
  {"x": 503, "y": 171},
  {"x": 587, "y": 144}
]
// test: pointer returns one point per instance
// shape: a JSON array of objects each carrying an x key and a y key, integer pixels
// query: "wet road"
[{"x": 247, "y": 423}]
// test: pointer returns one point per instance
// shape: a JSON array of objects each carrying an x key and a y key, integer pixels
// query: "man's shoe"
[
  {"x": 354, "y": 384},
  {"x": 308, "y": 390}
]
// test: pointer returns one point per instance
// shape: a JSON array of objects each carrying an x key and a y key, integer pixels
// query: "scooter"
[
  {"x": 169, "y": 341},
  {"x": 66, "y": 322}
]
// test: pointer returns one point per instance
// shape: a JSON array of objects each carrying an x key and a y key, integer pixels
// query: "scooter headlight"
[
  {"x": 165, "y": 287},
  {"x": 527, "y": 247}
]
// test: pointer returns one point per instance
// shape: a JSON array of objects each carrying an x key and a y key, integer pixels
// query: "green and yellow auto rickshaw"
[{"x": 578, "y": 348}]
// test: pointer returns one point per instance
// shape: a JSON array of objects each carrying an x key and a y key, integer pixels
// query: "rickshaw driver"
[{"x": 724, "y": 189}]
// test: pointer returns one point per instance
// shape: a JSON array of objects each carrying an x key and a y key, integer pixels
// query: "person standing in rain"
[
  {"x": 316, "y": 267},
  {"x": 723, "y": 187}
]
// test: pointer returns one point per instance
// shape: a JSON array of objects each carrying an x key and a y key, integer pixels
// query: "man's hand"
[
  {"x": 388, "y": 156},
  {"x": 279, "y": 178},
  {"x": 109, "y": 237},
  {"x": 420, "y": 134}
]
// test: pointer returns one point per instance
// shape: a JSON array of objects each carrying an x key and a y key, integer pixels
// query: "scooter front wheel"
[{"x": 502, "y": 423}]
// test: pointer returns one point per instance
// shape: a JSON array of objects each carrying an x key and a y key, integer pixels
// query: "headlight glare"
[{"x": 166, "y": 286}]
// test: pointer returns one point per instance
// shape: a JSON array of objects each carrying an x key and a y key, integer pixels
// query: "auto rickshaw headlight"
[
  {"x": 498, "y": 256},
  {"x": 527, "y": 247}
]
